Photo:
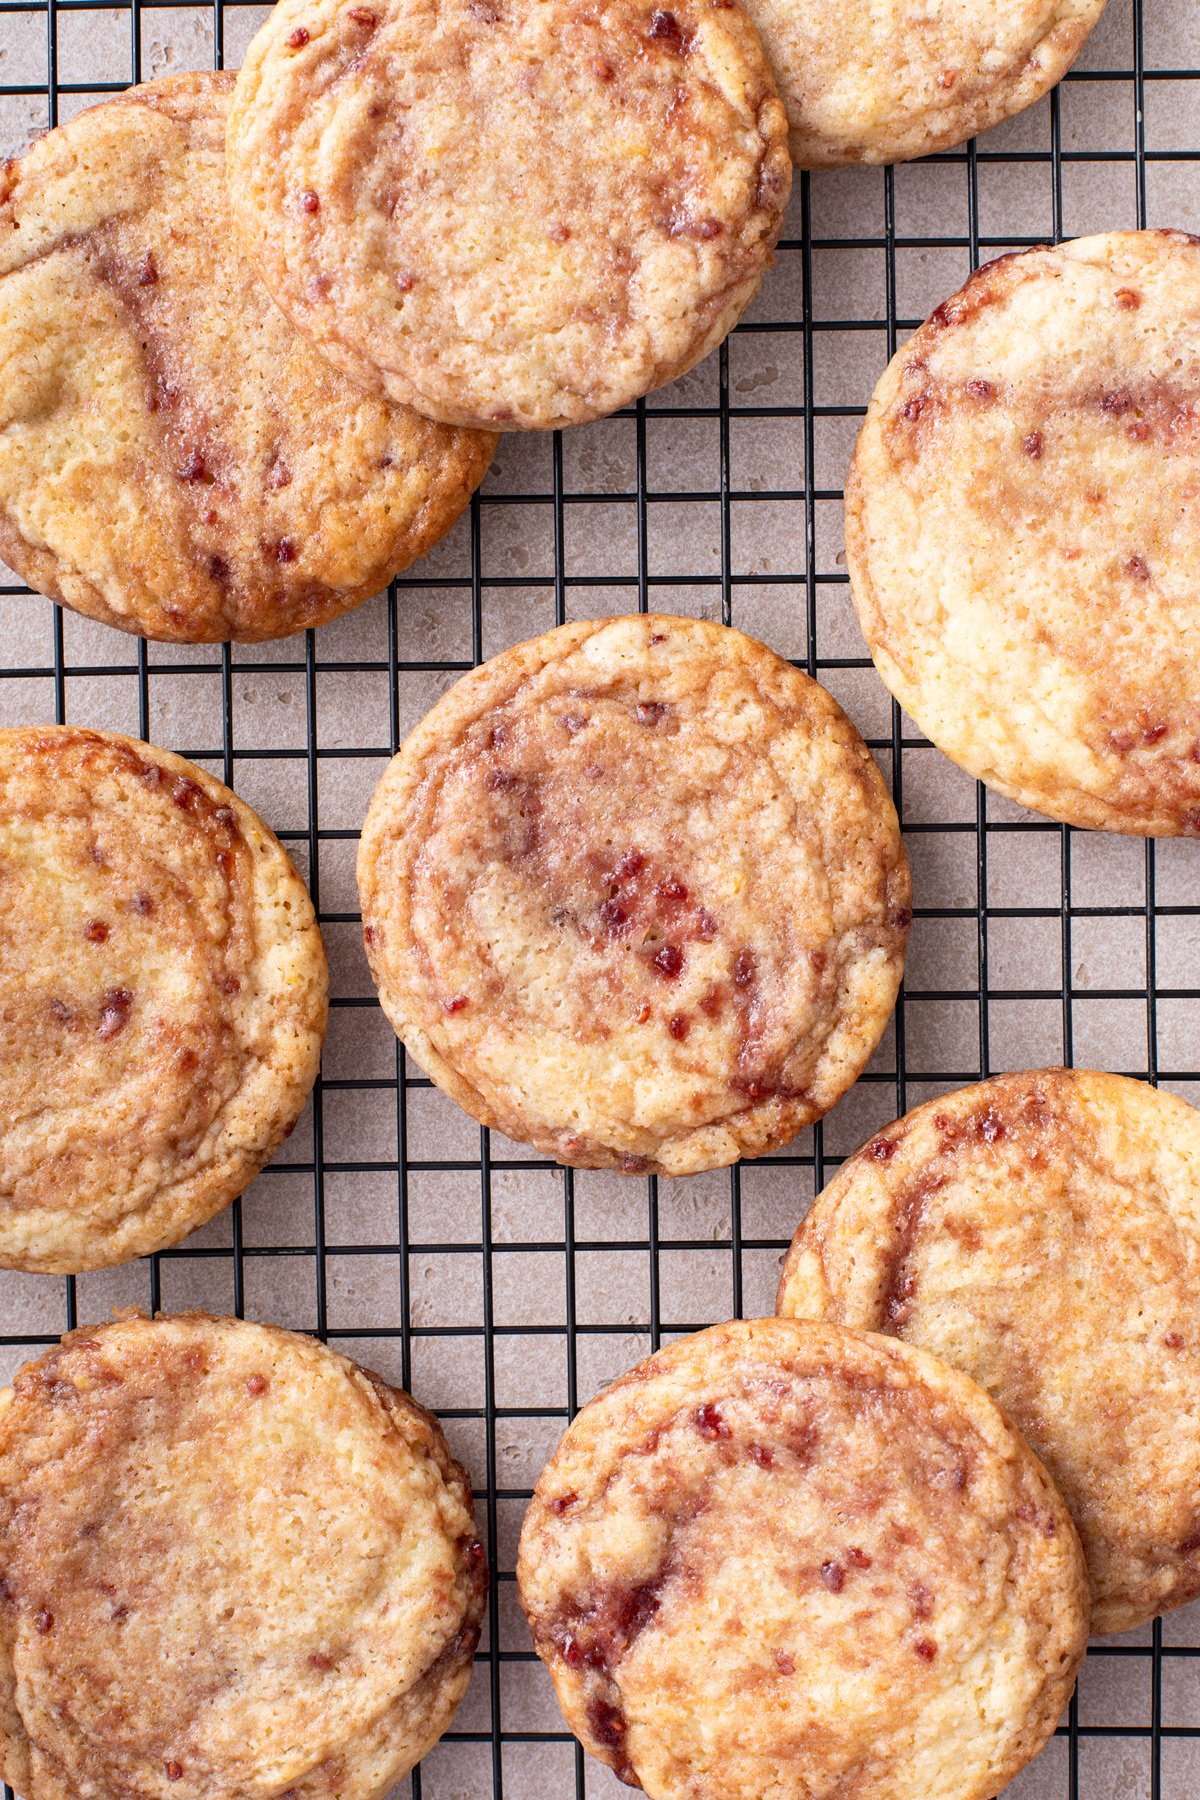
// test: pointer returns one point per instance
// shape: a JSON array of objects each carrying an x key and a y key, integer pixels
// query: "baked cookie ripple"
[
  {"x": 1022, "y": 532},
  {"x": 1042, "y": 1232},
  {"x": 162, "y": 997},
  {"x": 786, "y": 1558},
  {"x": 634, "y": 893},
  {"x": 878, "y": 81},
  {"x": 513, "y": 213},
  {"x": 235, "y": 1567},
  {"x": 175, "y": 459}
]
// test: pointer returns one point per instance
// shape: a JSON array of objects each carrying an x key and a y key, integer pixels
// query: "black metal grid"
[{"x": 502, "y": 1290}]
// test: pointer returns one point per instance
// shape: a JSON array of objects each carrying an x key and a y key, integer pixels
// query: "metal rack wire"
[{"x": 502, "y": 1290}]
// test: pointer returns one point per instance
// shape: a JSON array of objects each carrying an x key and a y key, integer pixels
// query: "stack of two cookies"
[
  {"x": 855, "y": 1549},
  {"x": 175, "y": 459},
  {"x": 246, "y": 383}
]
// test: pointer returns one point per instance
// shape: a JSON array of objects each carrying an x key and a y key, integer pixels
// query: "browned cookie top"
[
  {"x": 635, "y": 894},
  {"x": 783, "y": 1558},
  {"x": 235, "y": 1567},
  {"x": 510, "y": 213},
  {"x": 174, "y": 458},
  {"x": 1022, "y": 531},
  {"x": 1042, "y": 1232},
  {"x": 162, "y": 997}
]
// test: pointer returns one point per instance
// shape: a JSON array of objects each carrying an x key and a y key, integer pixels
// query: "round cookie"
[
  {"x": 510, "y": 213},
  {"x": 867, "y": 82},
  {"x": 175, "y": 459},
  {"x": 162, "y": 997},
  {"x": 235, "y": 1564},
  {"x": 1021, "y": 533},
  {"x": 787, "y": 1558},
  {"x": 1042, "y": 1232},
  {"x": 634, "y": 893}
]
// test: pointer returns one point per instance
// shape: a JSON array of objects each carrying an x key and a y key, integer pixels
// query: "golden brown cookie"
[
  {"x": 634, "y": 893},
  {"x": 511, "y": 213},
  {"x": 162, "y": 997},
  {"x": 783, "y": 1558},
  {"x": 1022, "y": 535},
  {"x": 1042, "y": 1232},
  {"x": 235, "y": 1567},
  {"x": 174, "y": 459},
  {"x": 879, "y": 81}
]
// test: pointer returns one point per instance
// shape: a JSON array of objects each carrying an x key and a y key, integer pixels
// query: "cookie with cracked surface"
[
  {"x": 880, "y": 83},
  {"x": 175, "y": 459},
  {"x": 1042, "y": 1232},
  {"x": 598, "y": 192},
  {"x": 787, "y": 1558},
  {"x": 162, "y": 997},
  {"x": 1021, "y": 534},
  {"x": 634, "y": 893},
  {"x": 236, "y": 1567}
]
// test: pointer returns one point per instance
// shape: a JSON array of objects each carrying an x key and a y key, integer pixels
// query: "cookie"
[
  {"x": 510, "y": 213},
  {"x": 871, "y": 83},
  {"x": 786, "y": 1558},
  {"x": 634, "y": 893},
  {"x": 1021, "y": 533},
  {"x": 162, "y": 997},
  {"x": 1042, "y": 1232},
  {"x": 235, "y": 1564},
  {"x": 175, "y": 460}
]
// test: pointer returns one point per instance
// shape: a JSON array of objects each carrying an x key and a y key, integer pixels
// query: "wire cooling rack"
[{"x": 504, "y": 1291}]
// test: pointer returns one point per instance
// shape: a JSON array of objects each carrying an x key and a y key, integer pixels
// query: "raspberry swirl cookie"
[
  {"x": 787, "y": 1558},
  {"x": 879, "y": 81},
  {"x": 1022, "y": 533},
  {"x": 511, "y": 213},
  {"x": 634, "y": 893},
  {"x": 1042, "y": 1232},
  {"x": 175, "y": 460},
  {"x": 162, "y": 997},
  {"x": 235, "y": 1565}
]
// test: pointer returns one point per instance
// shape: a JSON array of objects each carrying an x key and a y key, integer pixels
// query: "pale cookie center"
[{"x": 610, "y": 874}]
